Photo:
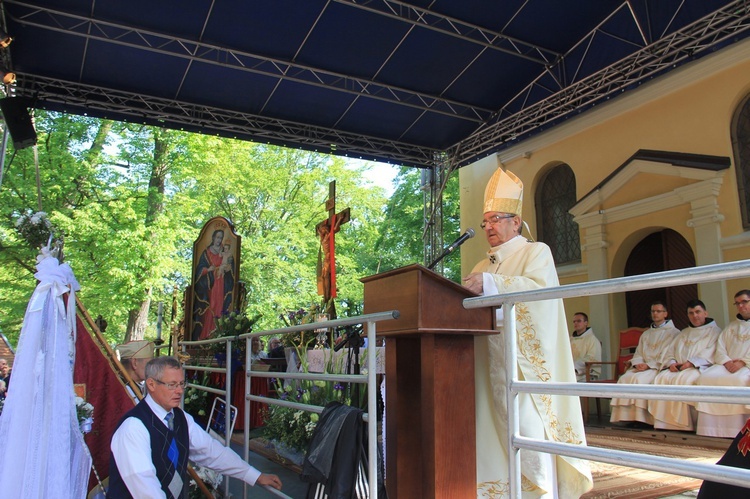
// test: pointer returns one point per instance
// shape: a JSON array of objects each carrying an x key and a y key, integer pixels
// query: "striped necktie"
[{"x": 169, "y": 418}]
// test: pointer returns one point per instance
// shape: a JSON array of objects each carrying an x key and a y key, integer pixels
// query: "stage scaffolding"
[{"x": 565, "y": 93}]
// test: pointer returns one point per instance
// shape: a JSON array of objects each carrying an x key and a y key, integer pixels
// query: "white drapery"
[{"x": 44, "y": 454}]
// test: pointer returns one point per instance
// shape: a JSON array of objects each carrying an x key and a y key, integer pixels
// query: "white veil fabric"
[{"x": 44, "y": 454}]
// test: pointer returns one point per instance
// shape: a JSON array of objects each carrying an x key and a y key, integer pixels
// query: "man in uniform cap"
[
  {"x": 515, "y": 264},
  {"x": 134, "y": 356}
]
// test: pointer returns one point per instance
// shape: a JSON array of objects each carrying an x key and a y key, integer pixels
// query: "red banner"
[{"x": 105, "y": 392}]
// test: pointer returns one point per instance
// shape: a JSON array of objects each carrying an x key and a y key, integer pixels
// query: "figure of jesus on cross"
[{"x": 326, "y": 231}]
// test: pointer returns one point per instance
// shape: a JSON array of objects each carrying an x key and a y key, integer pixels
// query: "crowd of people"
[
  {"x": 701, "y": 354},
  {"x": 155, "y": 440},
  {"x": 4, "y": 377}
]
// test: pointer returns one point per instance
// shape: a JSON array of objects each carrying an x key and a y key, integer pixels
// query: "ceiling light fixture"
[
  {"x": 5, "y": 38},
  {"x": 8, "y": 77}
]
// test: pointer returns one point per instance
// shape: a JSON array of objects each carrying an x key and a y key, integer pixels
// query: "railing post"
[
  {"x": 511, "y": 360},
  {"x": 246, "y": 413},
  {"x": 372, "y": 412},
  {"x": 227, "y": 409}
]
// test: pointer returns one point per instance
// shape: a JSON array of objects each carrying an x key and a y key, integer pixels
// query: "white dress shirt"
[{"x": 131, "y": 448}]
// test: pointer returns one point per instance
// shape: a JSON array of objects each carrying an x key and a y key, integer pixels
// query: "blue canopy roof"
[{"x": 404, "y": 82}]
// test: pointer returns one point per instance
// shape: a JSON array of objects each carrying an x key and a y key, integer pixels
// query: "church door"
[{"x": 660, "y": 251}]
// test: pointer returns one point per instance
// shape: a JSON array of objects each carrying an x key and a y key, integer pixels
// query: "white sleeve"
[
  {"x": 131, "y": 449},
  {"x": 209, "y": 452},
  {"x": 489, "y": 287}
]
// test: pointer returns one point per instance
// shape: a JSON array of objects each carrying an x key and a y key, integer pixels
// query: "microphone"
[{"x": 455, "y": 244}]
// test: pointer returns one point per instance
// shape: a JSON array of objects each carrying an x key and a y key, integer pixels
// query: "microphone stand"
[
  {"x": 438, "y": 259},
  {"x": 450, "y": 249},
  {"x": 353, "y": 340}
]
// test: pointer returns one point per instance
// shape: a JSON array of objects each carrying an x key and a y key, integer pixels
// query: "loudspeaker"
[{"x": 18, "y": 120}]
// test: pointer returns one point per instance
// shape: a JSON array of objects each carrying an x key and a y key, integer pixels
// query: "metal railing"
[
  {"x": 226, "y": 392},
  {"x": 516, "y": 442},
  {"x": 369, "y": 321}
]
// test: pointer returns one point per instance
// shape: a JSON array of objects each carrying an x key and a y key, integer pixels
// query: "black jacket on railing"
[{"x": 335, "y": 464}]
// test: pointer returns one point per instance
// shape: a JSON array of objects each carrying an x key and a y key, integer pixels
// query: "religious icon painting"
[{"x": 215, "y": 277}]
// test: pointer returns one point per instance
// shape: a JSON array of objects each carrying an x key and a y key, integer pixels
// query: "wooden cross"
[{"x": 326, "y": 231}]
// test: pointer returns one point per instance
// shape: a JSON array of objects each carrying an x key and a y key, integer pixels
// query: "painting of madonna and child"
[{"x": 216, "y": 266}]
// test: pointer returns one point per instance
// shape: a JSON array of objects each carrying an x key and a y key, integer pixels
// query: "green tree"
[
  {"x": 132, "y": 199},
  {"x": 69, "y": 149},
  {"x": 400, "y": 236}
]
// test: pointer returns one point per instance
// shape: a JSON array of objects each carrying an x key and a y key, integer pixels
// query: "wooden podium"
[{"x": 430, "y": 413}]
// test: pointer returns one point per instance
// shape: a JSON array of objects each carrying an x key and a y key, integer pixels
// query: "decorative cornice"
[
  {"x": 706, "y": 220},
  {"x": 741, "y": 240},
  {"x": 629, "y": 171}
]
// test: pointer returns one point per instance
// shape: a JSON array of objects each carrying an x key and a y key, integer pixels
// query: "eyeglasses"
[
  {"x": 172, "y": 386},
  {"x": 494, "y": 220},
  {"x": 741, "y": 302}
]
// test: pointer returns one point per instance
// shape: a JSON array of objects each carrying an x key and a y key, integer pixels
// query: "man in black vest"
[{"x": 155, "y": 439}]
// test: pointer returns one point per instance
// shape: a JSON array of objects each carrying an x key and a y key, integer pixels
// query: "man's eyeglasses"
[
  {"x": 494, "y": 220},
  {"x": 172, "y": 386},
  {"x": 741, "y": 302}
]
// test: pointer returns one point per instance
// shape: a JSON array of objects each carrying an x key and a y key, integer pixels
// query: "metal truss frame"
[
  {"x": 724, "y": 24},
  {"x": 107, "y": 102},
  {"x": 516, "y": 120},
  {"x": 501, "y": 128},
  {"x": 457, "y": 28},
  {"x": 434, "y": 181},
  {"x": 191, "y": 50}
]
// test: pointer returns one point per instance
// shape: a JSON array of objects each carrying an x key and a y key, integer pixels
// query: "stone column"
[
  {"x": 706, "y": 226},
  {"x": 595, "y": 248}
]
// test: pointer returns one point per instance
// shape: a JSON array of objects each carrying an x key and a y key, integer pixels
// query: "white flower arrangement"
[
  {"x": 210, "y": 478},
  {"x": 85, "y": 413},
  {"x": 35, "y": 228}
]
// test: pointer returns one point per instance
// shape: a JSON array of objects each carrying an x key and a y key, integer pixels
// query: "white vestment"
[
  {"x": 543, "y": 355},
  {"x": 725, "y": 420},
  {"x": 43, "y": 452},
  {"x": 654, "y": 342},
  {"x": 694, "y": 344},
  {"x": 586, "y": 348}
]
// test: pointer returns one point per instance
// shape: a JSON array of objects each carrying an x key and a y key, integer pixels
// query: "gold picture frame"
[{"x": 214, "y": 289}]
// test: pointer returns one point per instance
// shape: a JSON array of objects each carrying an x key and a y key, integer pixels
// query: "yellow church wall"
[{"x": 689, "y": 110}]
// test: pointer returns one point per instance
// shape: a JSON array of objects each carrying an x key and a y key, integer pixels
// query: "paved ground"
[
  {"x": 297, "y": 489},
  {"x": 684, "y": 495},
  {"x": 293, "y": 487}
]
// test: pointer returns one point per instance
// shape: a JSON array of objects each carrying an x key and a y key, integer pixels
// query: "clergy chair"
[
  {"x": 628, "y": 343},
  {"x": 606, "y": 367}
]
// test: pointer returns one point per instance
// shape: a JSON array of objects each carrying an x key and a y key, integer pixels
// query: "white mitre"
[{"x": 504, "y": 193}]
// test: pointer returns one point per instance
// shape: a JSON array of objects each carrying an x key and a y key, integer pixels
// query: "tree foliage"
[
  {"x": 400, "y": 240},
  {"x": 131, "y": 199}
]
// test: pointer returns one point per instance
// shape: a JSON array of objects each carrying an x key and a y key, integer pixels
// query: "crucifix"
[{"x": 326, "y": 231}]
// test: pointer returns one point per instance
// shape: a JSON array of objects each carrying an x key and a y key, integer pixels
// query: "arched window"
[
  {"x": 555, "y": 196},
  {"x": 741, "y": 145}
]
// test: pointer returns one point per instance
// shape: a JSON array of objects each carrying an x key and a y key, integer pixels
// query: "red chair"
[{"x": 628, "y": 343}]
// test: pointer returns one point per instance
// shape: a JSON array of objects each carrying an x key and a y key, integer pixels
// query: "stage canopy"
[{"x": 409, "y": 83}]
